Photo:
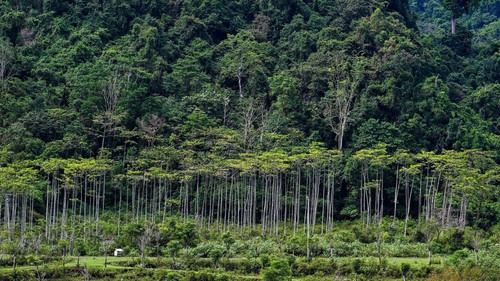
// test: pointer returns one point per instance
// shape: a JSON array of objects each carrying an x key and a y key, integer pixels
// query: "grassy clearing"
[
  {"x": 98, "y": 262},
  {"x": 19, "y": 268}
]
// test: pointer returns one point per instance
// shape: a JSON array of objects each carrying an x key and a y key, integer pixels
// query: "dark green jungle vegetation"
[{"x": 250, "y": 140}]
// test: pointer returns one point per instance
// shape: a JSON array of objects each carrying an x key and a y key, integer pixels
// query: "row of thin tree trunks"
[
  {"x": 233, "y": 200},
  {"x": 72, "y": 204}
]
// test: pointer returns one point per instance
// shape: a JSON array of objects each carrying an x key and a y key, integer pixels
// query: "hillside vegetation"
[{"x": 226, "y": 140}]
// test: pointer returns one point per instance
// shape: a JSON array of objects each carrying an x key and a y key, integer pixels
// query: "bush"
[
  {"x": 265, "y": 260},
  {"x": 451, "y": 241},
  {"x": 406, "y": 250},
  {"x": 343, "y": 268},
  {"x": 266, "y": 247},
  {"x": 365, "y": 235},
  {"x": 420, "y": 272},
  {"x": 19, "y": 275},
  {"x": 101, "y": 273},
  {"x": 153, "y": 263},
  {"x": 55, "y": 272},
  {"x": 279, "y": 270},
  {"x": 216, "y": 255},
  {"x": 356, "y": 265},
  {"x": 304, "y": 267},
  {"x": 203, "y": 250},
  {"x": 195, "y": 264},
  {"x": 490, "y": 258},
  {"x": 344, "y": 249},
  {"x": 344, "y": 236},
  {"x": 200, "y": 276},
  {"x": 244, "y": 266},
  {"x": 291, "y": 260},
  {"x": 436, "y": 260},
  {"x": 222, "y": 277},
  {"x": 461, "y": 260},
  {"x": 471, "y": 274},
  {"x": 166, "y": 276},
  {"x": 405, "y": 268},
  {"x": 205, "y": 275}
]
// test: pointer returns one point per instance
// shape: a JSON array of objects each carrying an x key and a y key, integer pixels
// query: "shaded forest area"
[{"x": 157, "y": 125}]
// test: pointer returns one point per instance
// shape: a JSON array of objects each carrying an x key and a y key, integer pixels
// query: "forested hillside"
[{"x": 310, "y": 125}]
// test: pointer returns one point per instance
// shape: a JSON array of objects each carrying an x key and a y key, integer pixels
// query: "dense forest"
[{"x": 290, "y": 137}]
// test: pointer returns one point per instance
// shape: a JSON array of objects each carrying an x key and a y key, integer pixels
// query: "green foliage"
[
  {"x": 356, "y": 265},
  {"x": 405, "y": 268},
  {"x": 173, "y": 277},
  {"x": 228, "y": 240},
  {"x": 173, "y": 248},
  {"x": 199, "y": 129},
  {"x": 457, "y": 8},
  {"x": 279, "y": 270},
  {"x": 460, "y": 259},
  {"x": 265, "y": 260},
  {"x": 216, "y": 254}
]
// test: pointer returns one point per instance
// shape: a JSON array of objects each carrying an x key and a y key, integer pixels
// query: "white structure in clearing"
[{"x": 118, "y": 253}]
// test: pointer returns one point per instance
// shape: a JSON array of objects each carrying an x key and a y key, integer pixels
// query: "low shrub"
[
  {"x": 203, "y": 250},
  {"x": 405, "y": 250},
  {"x": 19, "y": 275},
  {"x": 195, "y": 263},
  {"x": 279, "y": 270},
  {"x": 243, "y": 266},
  {"x": 166, "y": 275},
  {"x": 205, "y": 275},
  {"x": 303, "y": 267},
  {"x": 265, "y": 260},
  {"x": 470, "y": 274}
]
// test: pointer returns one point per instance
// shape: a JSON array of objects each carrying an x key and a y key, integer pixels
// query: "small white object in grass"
[{"x": 118, "y": 253}]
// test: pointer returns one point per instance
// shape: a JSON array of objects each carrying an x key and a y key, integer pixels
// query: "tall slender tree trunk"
[
  {"x": 64, "y": 214},
  {"x": 381, "y": 209},
  {"x": 396, "y": 192},
  {"x": 453, "y": 24},
  {"x": 340, "y": 136},
  {"x": 240, "y": 83},
  {"x": 83, "y": 204},
  {"x": 308, "y": 228},
  {"x": 408, "y": 204},
  {"x": 420, "y": 197},
  {"x": 7, "y": 213},
  {"x": 24, "y": 211}
]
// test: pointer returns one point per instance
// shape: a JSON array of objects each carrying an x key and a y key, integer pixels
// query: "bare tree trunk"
[
  {"x": 429, "y": 251},
  {"x": 308, "y": 228},
  {"x": 450, "y": 205},
  {"x": 396, "y": 192},
  {"x": 381, "y": 213},
  {"x": 240, "y": 77},
  {"x": 453, "y": 24},
  {"x": 24, "y": 208},
  {"x": 7, "y": 215},
  {"x": 420, "y": 197},
  {"x": 408, "y": 205},
  {"x": 14, "y": 209},
  {"x": 64, "y": 214},
  {"x": 361, "y": 201},
  {"x": 443, "y": 207},
  {"x": 5, "y": 60},
  {"x": 379, "y": 245}
]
